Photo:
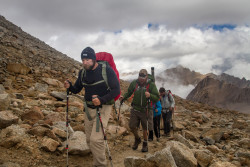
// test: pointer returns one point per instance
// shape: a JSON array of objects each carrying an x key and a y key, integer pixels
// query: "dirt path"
[{"x": 120, "y": 148}]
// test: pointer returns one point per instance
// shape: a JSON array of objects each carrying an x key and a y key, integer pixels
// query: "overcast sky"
[{"x": 203, "y": 35}]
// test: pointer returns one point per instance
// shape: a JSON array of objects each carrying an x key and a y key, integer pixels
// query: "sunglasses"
[{"x": 142, "y": 75}]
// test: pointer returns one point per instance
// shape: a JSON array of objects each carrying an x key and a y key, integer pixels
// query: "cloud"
[
  {"x": 205, "y": 36},
  {"x": 203, "y": 51}
]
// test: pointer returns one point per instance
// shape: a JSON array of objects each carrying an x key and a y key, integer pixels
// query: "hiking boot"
[
  {"x": 144, "y": 147},
  {"x": 165, "y": 134},
  {"x": 137, "y": 142},
  {"x": 158, "y": 139},
  {"x": 150, "y": 136}
]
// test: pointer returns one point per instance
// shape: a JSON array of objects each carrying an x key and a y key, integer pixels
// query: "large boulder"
[
  {"x": 49, "y": 144},
  {"x": 33, "y": 115},
  {"x": 183, "y": 156},
  {"x": 183, "y": 140},
  {"x": 59, "y": 95},
  {"x": 191, "y": 136},
  {"x": 55, "y": 117},
  {"x": 18, "y": 68},
  {"x": 41, "y": 87},
  {"x": 12, "y": 135},
  {"x": 7, "y": 118},
  {"x": 204, "y": 157},
  {"x": 2, "y": 89},
  {"x": 9, "y": 164},
  {"x": 133, "y": 161},
  {"x": 4, "y": 101},
  {"x": 53, "y": 82},
  {"x": 214, "y": 134},
  {"x": 222, "y": 164},
  {"x": 42, "y": 131},
  {"x": 162, "y": 158},
  {"x": 77, "y": 144}
]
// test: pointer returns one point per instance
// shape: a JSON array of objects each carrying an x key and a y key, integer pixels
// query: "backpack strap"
[
  {"x": 147, "y": 88},
  {"x": 132, "y": 96},
  {"x": 168, "y": 95},
  {"x": 104, "y": 75}
]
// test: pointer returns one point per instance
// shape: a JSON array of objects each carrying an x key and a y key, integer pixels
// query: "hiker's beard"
[{"x": 89, "y": 67}]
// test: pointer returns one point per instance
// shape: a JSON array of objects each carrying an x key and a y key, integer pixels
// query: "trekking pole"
[
  {"x": 148, "y": 102},
  {"x": 173, "y": 121},
  {"x": 119, "y": 114},
  {"x": 67, "y": 127},
  {"x": 104, "y": 135}
]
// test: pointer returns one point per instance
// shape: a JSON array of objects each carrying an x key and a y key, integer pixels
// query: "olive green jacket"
[{"x": 140, "y": 101}]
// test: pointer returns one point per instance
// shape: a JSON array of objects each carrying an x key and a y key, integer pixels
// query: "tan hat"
[{"x": 143, "y": 73}]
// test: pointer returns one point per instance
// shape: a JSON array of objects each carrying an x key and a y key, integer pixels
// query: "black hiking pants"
[
  {"x": 157, "y": 121},
  {"x": 166, "y": 121}
]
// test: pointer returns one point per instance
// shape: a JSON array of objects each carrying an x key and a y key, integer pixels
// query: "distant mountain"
[
  {"x": 181, "y": 75},
  {"x": 242, "y": 83},
  {"x": 222, "y": 94},
  {"x": 223, "y": 90}
]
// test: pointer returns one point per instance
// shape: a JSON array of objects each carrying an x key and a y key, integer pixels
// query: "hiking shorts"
[{"x": 137, "y": 117}]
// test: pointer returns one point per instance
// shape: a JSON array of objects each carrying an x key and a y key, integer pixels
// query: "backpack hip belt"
[{"x": 91, "y": 105}]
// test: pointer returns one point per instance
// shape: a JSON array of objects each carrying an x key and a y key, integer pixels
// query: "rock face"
[
  {"x": 241, "y": 83},
  {"x": 23, "y": 55},
  {"x": 221, "y": 94}
]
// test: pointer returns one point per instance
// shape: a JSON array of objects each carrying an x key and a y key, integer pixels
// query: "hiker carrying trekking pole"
[
  {"x": 142, "y": 88},
  {"x": 167, "y": 103},
  {"x": 91, "y": 78}
]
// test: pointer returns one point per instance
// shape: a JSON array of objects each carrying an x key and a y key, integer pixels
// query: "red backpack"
[{"x": 107, "y": 58}]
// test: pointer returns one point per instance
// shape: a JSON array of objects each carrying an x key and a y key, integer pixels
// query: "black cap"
[
  {"x": 161, "y": 90},
  {"x": 88, "y": 53}
]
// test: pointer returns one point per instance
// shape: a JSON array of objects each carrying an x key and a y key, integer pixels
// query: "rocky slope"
[{"x": 33, "y": 107}]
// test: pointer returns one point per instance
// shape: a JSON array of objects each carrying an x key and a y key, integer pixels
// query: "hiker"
[
  {"x": 144, "y": 90},
  {"x": 97, "y": 94},
  {"x": 167, "y": 103},
  {"x": 157, "y": 119}
]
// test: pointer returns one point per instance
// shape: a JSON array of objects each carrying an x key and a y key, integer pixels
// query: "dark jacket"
[{"x": 93, "y": 76}]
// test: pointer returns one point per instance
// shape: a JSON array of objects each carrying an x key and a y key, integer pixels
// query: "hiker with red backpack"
[
  {"x": 101, "y": 88},
  {"x": 145, "y": 92},
  {"x": 167, "y": 103}
]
